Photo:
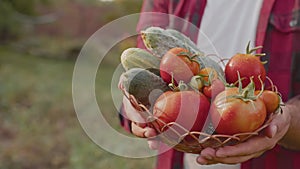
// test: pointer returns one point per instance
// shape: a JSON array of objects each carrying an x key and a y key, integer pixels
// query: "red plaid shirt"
[{"x": 278, "y": 31}]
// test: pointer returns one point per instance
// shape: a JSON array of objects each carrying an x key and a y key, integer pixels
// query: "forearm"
[{"x": 291, "y": 140}]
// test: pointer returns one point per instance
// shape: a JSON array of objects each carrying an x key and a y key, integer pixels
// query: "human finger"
[
  {"x": 146, "y": 132},
  {"x": 208, "y": 157},
  {"x": 131, "y": 113},
  {"x": 141, "y": 130},
  {"x": 208, "y": 153},
  {"x": 120, "y": 83},
  {"x": 204, "y": 161},
  {"x": 278, "y": 126},
  {"x": 227, "y": 160},
  {"x": 153, "y": 144},
  {"x": 251, "y": 146}
]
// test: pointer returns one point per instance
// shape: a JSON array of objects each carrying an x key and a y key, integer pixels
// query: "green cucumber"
[
  {"x": 144, "y": 85},
  {"x": 138, "y": 58},
  {"x": 158, "y": 41},
  {"x": 186, "y": 41}
]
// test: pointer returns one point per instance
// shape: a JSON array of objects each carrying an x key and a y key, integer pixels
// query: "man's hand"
[
  {"x": 138, "y": 125},
  {"x": 253, "y": 147}
]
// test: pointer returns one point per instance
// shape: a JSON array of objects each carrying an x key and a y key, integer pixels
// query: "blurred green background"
[{"x": 39, "y": 43}]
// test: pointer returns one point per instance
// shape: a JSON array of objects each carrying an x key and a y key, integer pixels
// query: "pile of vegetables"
[{"x": 187, "y": 94}]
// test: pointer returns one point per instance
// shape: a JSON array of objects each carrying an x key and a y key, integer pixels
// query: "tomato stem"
[
  {"x": 180, "y": 87},
  {"x": 195, "y": 55},
  {"x": 250, "y": 51},
  {"x": 248, "y": 93},
  {"x": 189, "y": 56},
  {"x": 196, "y": 82}
]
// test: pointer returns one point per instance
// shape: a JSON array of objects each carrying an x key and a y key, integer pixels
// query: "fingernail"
[
  {"x": 146, "y": 134},
  {"x": 273, "y": 131},
  {"x": 208, "y": 157},
  {"x": 202, "y": 161}
]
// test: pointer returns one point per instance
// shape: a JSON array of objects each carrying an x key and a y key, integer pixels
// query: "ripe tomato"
[
  {"x": 187, "y": 108},
  {"x": 247, "y": 65},
  {"x": 178, "y": 62},
  {"x": 271, "y": 99},
  {"x": 216, "y": 87},
  {"x": 231, "y": 115}
]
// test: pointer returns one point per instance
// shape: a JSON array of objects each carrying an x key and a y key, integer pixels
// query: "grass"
[{"x": 38, "y": 125}]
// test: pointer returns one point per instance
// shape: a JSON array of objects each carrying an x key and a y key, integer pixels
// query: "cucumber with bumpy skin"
[
  {"x": 186, "y": 40},
  {"x": 159, "y": 41},
  {"x": 144, "y": 85},
  {"x": 138, "y": 58}
]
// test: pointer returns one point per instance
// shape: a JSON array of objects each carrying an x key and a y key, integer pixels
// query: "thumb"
[{"x": 271, "y": 130}]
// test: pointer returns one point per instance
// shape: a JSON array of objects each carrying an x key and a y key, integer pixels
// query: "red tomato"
[
  {"x": 271, "y": 99},
  {"x": 177, "y": 62},
  {"x": 232, "y": 115},
  {"x": 247, "y": 65},
  {"x": 187, "y": 108},
  {"x": 216, "y": 87}
]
